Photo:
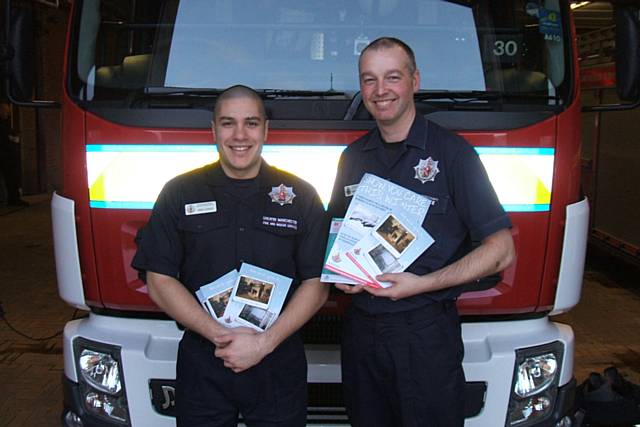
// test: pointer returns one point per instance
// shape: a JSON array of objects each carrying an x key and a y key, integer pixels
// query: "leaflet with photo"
[
  {"x": 391, "y": 247},
  {"x": 202, "y": 300},
  {"x": 374, "y": 199},
  {"x": 255, "y": 317},
  {"x": 231, "y": 312},
  {"x": 355, "y": 225},
  {"x": 328, "y": 276},
  {"x": 262, "y": 294},
  {"x": 252, "y": 297},
  {"x": 215, "y": 296}
]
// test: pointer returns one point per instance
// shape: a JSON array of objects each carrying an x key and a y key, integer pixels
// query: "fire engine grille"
[
  {"x": 326, "y": 404},
  {"x": 326, "y": 395},
  {"x": 323, "y": 329},
  {"x": 326, "y": 401}
]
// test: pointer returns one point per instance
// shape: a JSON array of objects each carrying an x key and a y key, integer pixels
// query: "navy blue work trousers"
[
  {"x": 270, "y": 394},
  {"x": 404, "y": 369}
]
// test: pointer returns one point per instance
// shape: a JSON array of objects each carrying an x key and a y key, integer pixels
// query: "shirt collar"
[
  {"x": 417, "y": 136},
  {"x": 216, "y": 177}
]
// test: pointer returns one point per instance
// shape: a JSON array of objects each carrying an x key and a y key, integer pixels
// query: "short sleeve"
[
  {"x": 474, "y": 196},
  {"x": 159, "y": 243},
  {"x": 338, "y": 204},
  {"x": 311, "y": 243}
]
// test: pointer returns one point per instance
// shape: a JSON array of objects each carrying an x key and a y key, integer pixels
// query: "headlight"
[
  {"x": 524, "y": 412},
  {"x": 535, "y": 384},
  {"x": 103, "y": 404},
  {"x": 535, "y": 374},
  {"x": 101, "y": 371},
  {"x": 102, "y": 386}
]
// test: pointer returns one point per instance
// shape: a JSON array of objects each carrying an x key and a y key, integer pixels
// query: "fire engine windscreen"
[{"x": 466, "y": 46}]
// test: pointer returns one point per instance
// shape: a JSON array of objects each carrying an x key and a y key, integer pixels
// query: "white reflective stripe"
[
  {"x": 131, "y": 176},
  {"x": 128, "y": 176},
  {"x": 134, "y": 178},
  {"x": 522, "y": 177}
]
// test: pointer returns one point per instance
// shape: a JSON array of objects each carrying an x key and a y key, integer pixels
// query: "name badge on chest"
[
  {"x": 200, "y": 208},
  {"x": 349, "y": 190}
]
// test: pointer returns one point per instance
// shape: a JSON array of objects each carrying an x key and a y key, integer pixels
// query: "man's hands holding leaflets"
[
  {"x": 246, "y": 303},
  {"x": 402, "y": 285},
  {"x": 380, "y": 236},
  {"x": 240, "y": 348}
]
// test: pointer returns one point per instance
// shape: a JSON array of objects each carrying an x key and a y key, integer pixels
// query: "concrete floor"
[{"x": 606, "y": 322}]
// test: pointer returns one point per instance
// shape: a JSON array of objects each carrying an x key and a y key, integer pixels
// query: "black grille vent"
[
  {"x": 323, "y": 329},
  {"x": 325, "y": 395}
]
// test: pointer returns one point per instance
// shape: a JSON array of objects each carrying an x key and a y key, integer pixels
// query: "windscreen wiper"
[
  {"x": 479, "y": 95},
  {"x": 160, "y": 94},
  {"x": 290, "y": 93},
  {"x": 474, "y": 98},
  {"x": 171, "y": 97},
  {"x": 181, "y": 91},
  {"x": 167, "y": 91}
]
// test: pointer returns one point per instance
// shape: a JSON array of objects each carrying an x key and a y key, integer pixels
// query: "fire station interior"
[{"x": 606, "y": 322}]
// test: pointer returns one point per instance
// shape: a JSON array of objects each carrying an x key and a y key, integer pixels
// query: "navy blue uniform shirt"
[
  {"x": 466, "y": 207},
  {"x": 247, "y": 226}
]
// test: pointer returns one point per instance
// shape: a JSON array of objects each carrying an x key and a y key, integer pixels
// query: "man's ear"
[
  {"x": 266, "y": 129},
  {"x": 416, "y": 80},
  {"x": 213, "y": 131}
]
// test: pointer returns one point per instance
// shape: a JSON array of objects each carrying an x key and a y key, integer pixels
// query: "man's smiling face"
[
  {"x": 387, "y": 84},
  {"x": 239, "y": 130}
]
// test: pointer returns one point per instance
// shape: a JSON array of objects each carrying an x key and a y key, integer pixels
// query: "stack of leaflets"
[
  {"x": 381, "y": 233},
  {"x": 252, "y": 297},
  {"x": 327, "y": 275}
]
